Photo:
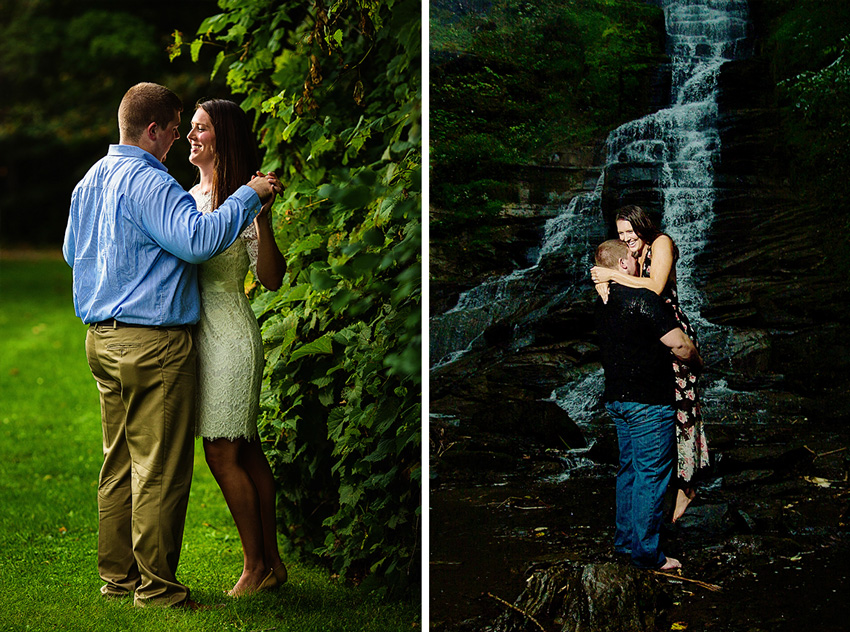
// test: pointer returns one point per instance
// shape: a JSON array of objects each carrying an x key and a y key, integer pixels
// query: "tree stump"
[{"x": 571, "y": 597}]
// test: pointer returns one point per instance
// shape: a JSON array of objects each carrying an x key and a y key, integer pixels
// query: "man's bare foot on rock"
[
  {"x": 683, "y": 499},
  {"x": 671, "y": 565}
]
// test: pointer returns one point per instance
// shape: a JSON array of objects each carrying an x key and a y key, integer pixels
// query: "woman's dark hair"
[
  {"x": 643, "y": 225},
  {"x": 236, "y": 158}
]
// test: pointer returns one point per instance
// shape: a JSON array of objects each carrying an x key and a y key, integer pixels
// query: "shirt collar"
[{"x": 132, "y": 151}]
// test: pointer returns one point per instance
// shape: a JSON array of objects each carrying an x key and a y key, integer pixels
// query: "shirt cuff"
[{"x": 250, "y": 199}]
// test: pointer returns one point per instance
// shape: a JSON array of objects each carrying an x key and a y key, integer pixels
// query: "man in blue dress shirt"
[{"x": 133, "y": 239}]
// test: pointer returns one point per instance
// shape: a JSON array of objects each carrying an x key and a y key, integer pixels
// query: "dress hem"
[{"x": 229, "y": 437}]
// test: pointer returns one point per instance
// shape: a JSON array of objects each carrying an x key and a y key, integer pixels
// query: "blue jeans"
[{"x": 646, "y": 436}]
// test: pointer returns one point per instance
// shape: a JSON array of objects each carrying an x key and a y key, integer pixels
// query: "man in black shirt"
[{"x": 637, "y": 332}]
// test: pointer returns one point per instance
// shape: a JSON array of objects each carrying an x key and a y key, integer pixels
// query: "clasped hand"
[
  {"x": 601, "y": 278},
  {"x": 267, "y": 185},
  {"x": 600, "y": 274}
]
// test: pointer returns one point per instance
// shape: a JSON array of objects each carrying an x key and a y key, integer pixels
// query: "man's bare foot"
[
  {"x": 670, "y": 565},
  {"x": 683, "y": 499}
]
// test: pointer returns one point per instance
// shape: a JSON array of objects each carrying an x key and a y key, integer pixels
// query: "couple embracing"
[
  {"x": 651, "y": 366},
  {"x": 158, "y": 275}
]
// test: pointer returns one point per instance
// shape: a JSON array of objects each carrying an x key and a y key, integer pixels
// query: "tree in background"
[
  {"x": 514, "y": 82},
  {"x": 64, "y": 66},
  {"x": 808, "y": 45},
  {"x": 335, "y": 95}
]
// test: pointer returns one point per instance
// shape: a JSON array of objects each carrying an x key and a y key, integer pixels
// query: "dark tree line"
[{"x": 64, "y": 66}]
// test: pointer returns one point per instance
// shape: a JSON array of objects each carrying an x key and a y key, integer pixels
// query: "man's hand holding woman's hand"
[
  {"x": 276, "y": 186},
  {"x": 266, "y": 186}
]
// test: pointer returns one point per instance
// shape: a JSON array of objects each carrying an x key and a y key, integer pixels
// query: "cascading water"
[
  {"x": 683, "y": 140},
  {"x": 680, "y": 144},
  {"x": 567, "y": 240}
]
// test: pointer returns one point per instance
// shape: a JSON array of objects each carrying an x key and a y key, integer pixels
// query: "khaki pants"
[{"x": 146, "y": 378}]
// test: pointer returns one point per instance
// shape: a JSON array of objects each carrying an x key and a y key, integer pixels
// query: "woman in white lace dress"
[{"x": 230, "y": 348}]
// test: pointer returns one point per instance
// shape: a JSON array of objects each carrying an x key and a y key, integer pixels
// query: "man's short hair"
[
  {"x": 143, "y": 104},
  {"x": 609, "y": 253}
]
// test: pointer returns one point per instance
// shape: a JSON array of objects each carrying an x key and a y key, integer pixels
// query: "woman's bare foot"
[
  {"x": 683, "y": 499},
  {"x": 670, "y": 565}
]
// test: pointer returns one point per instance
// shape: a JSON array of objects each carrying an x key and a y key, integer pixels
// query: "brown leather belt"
[{"x": 117, "y": 324}]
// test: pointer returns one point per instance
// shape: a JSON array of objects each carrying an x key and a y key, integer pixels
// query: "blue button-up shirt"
[{"x": 133, "y": 236}]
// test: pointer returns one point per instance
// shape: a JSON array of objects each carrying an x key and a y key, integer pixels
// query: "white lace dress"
[{"x": 228, "y": 340}]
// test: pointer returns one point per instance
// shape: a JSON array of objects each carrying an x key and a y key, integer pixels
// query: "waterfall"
[
  {"x": 683, "y": 143},
  {"x": 567, "y": 241},
  {"x": 680, "y": 143}
]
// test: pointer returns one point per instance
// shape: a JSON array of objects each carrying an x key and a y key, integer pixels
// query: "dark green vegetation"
[
  {"x": 513, "y": 82},
  {"x": 808, "y": 47},
  {"x": 50, "y": 455},
  {"x": 64, "y": 66},
  {"x": 335, "y": 93}
]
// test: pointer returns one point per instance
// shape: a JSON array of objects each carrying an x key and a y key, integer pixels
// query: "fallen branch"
[
  {"x": 711, "y": 587},
  {"x": 830, "y": 452},
  {"x": 514, "y": 499},
  {"x": 522, "y": 612}
]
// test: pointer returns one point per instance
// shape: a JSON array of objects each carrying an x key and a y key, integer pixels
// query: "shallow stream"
[{"x": 769, "y": 532}]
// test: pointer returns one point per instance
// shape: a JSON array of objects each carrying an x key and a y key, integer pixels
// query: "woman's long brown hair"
[
  {"x": 643, "y": 225},
  {"x": 236, "y": 158}
]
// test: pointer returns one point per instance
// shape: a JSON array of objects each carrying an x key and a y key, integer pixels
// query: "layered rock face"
[{"x": 773, "y": 265}]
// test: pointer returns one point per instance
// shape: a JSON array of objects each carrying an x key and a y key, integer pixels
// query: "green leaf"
[
  {"x": 276, "y": 327},
  {"x": 213, "y": 24},
  {"x": 373, "y": 237},
  {"x": 354, "y": 197},
  {"x": 349, "y": 495},
  {"x": 289, "y": 130},
  {"x": 218, "y": 60},
  {"x": 321, "y": 280},
  {"x": 319, "y": 346},
  {"x": 305, "y": 245},
  {"x": 176, "y": 47},
  {"x": 365, "y": 262},
  {"x": 195, "y": 48}
]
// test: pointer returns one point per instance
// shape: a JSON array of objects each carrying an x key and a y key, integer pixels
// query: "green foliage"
[
  {"x": 335, "y": 92},
  {"x": 515, "y": 81},
  {"x": 810, "y": 53}
]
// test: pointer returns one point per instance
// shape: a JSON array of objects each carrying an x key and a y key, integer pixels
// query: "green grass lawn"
[{"x": 50, "y": 455}]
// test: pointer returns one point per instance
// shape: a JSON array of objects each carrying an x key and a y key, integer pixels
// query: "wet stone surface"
[{"x": 770, "y": 528}]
